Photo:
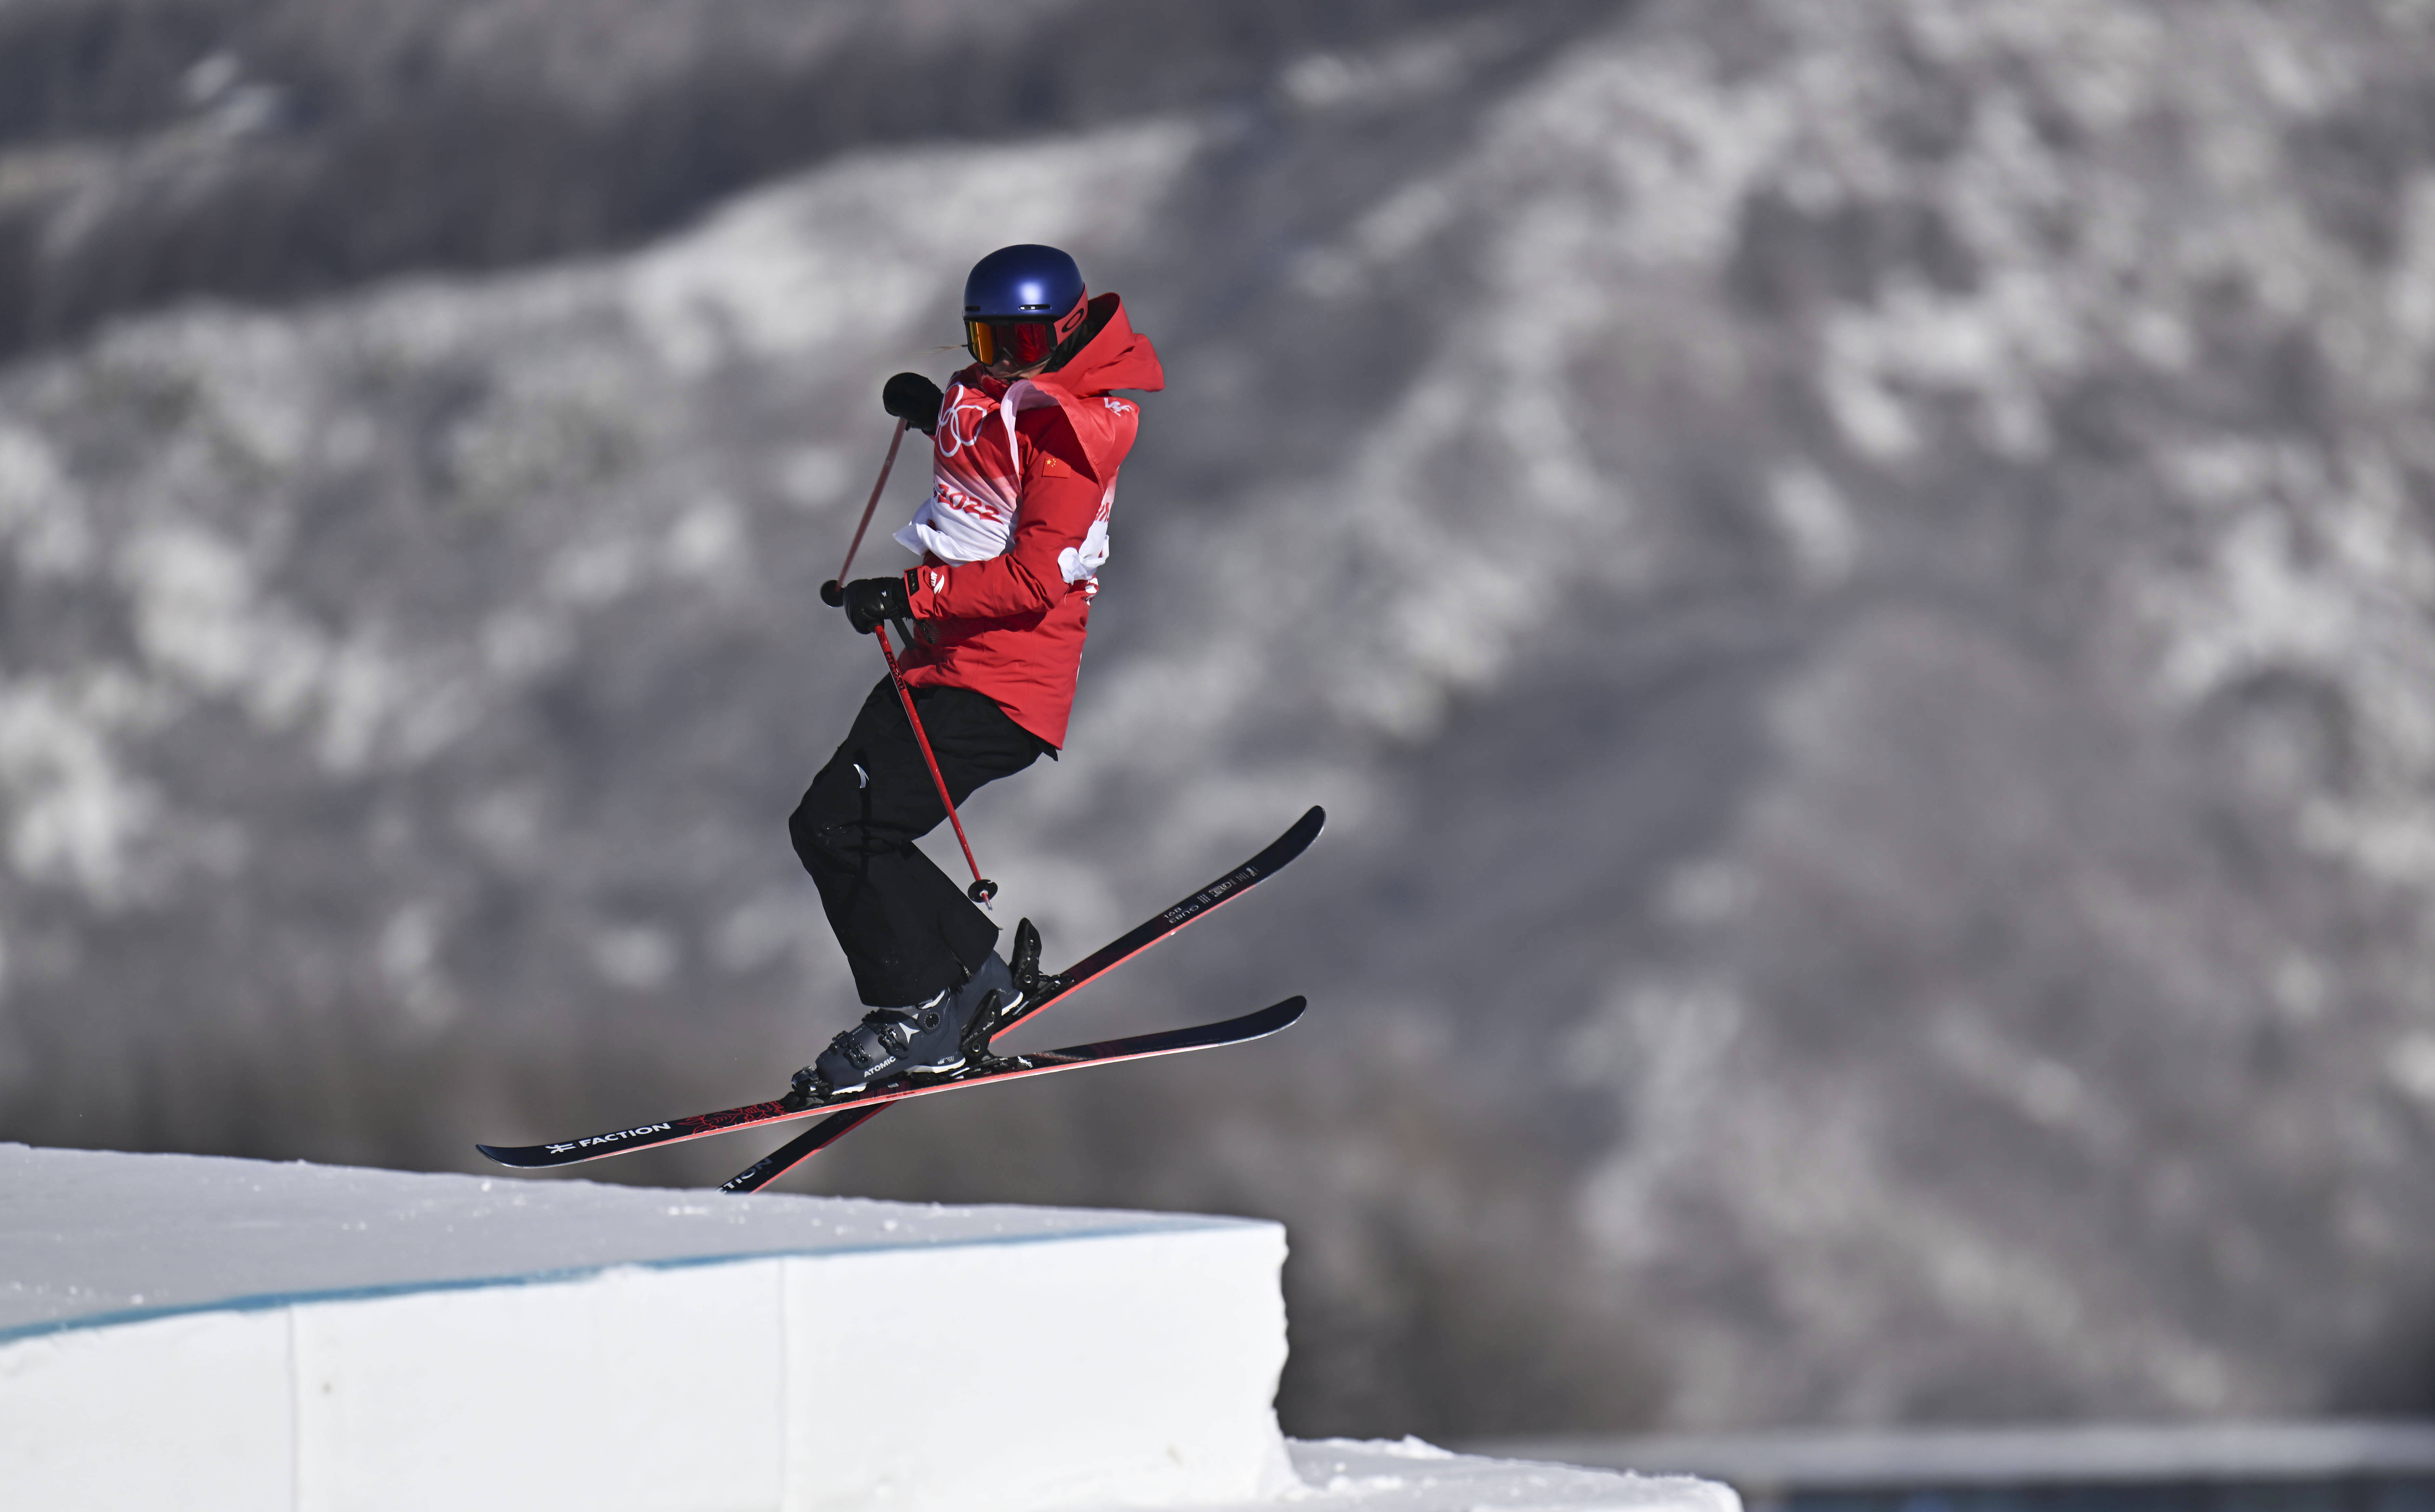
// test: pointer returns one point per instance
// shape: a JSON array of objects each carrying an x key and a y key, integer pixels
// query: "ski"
[
  {"x": 1046, "y": 990},
  {"x": 800, "y": 1149},
  {"x": 1039, "y": 1063},
  {"x": 860, "y": 1105}
]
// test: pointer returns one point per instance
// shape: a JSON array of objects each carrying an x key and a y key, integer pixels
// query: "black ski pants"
[{"x": 907, "y": 928}]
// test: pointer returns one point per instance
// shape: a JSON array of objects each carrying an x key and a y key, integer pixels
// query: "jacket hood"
[{"x": 1115, "y": 356}]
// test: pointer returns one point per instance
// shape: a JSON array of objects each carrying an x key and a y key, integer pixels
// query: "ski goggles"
[{"x": 1026, "y": 341}]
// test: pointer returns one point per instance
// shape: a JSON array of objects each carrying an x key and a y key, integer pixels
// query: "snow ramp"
[{"x": 200, "y": 1333}]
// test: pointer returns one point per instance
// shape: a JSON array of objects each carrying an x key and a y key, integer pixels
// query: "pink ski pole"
[
  {"x": 982, "y": 888},
  {"x": 833, "y": 593}
]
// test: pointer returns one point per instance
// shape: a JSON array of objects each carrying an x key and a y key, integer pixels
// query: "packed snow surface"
[
  {"x": 90, "y": 1237},
  {"x": 212, "y": 1333},
  {"x": 1411, "y": 1476},
  {"x": 225, "y": 1334}
]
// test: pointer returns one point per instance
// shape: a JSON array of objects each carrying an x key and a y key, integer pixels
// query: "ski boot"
[
  {"x": 926, "y": 1042},
  {"x": 888, "y": 1043},
  {"x": 1023, "y": 986}
]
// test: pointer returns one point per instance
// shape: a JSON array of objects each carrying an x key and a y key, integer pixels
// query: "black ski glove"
[
  {"x": 869, "y": 601},
  {"x": 913, "y": 399}
]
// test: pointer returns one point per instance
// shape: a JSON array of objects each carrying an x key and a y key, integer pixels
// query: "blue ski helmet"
[{"x": 1021, "y": 300}]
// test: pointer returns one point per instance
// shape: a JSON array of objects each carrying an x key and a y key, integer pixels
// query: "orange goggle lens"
[{"x": 1026, "y": 341}]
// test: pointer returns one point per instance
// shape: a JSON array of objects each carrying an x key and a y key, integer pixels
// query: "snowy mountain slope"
[
  {"x": 1853, "y": 575},
  {"x": 153, "y": 150}
]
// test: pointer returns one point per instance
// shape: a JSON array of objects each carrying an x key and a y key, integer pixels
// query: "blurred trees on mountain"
[{"x": 1855, "y": 575}]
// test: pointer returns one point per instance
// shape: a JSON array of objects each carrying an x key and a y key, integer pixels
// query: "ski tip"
[
  {"x": 504, "y": 1155},
  {"x": 1296, "y": 840}
]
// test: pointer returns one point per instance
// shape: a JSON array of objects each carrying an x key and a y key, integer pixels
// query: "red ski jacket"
[{"x": 1016, "y": 527}]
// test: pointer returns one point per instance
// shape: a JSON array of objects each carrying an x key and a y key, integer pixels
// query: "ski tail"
[
  {"x": 643, "y": 1136},
  {"x": 801, "y": 1148}
]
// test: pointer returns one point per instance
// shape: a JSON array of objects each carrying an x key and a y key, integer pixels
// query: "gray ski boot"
[
  {"x": 1011, "y": 988},
  {"x": 925, "y": 1040}
]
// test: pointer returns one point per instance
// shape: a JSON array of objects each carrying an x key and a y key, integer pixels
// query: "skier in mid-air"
[{"x": 1026, "y": 442}]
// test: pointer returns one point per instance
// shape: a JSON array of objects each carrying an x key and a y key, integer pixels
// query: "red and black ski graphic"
[
  {"x": 1149, "y": 932},
  {"x": 1039, "y": 1063}
]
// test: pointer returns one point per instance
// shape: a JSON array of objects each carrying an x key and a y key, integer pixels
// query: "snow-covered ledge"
[{"x": 207, "y": 1333}]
